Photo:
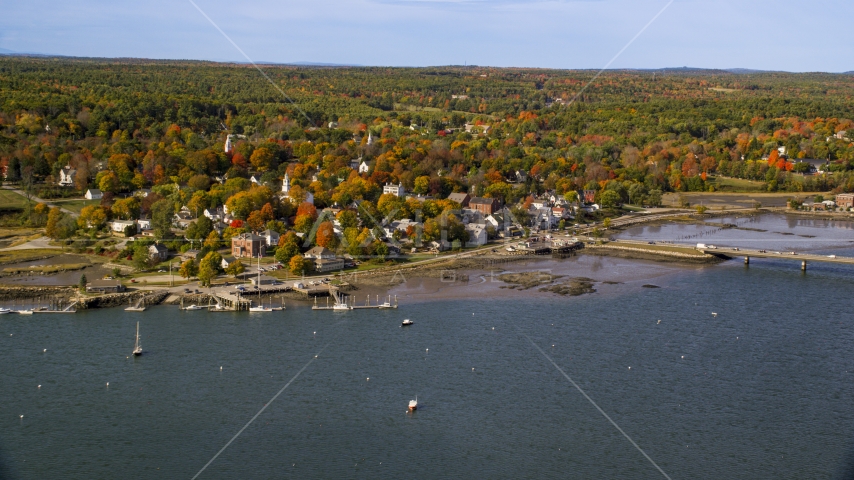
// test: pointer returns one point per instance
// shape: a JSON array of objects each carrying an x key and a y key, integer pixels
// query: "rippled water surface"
[{"x": 762, "y": 390}]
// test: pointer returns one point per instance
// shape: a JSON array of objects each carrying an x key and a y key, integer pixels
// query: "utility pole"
[{"x": 171, "y": 277}]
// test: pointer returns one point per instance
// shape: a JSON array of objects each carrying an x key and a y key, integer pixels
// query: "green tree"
[
  {"x": 286, "y": 252},
  {"x": 82, "y": 283},
  {"x": 161, "y": 218},
  {"x": 188, "y": 269},
  {"x": 235, "y": 268},
  {"x": 141, "y": 257},
  {"x": 609, "y": 199}
]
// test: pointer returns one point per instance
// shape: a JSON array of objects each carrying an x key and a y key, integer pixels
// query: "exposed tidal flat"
[{"x": 762, "y": 390}]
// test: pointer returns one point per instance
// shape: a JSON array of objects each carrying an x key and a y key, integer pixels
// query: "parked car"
[{"x": 186, "y": 290}]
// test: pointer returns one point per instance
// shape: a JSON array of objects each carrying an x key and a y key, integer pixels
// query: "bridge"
[{"x": 804, "y": 258}]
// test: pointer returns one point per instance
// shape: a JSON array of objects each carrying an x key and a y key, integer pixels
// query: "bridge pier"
[
  {"x": 804, "y": 265},
  {"x": 746, "y": 260}
]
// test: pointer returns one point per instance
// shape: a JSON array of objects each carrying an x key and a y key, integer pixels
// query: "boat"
[
  {"x": 193, "y": 307},
  {"x": 137, "y": 348},
  {"x": 406, "y": 322},
  {"x": 340, "y": 307},
  {"x": 4, "y": 311},
  {"x": 24, "y": 312},
  {"x": 413, "y": 405},
  {"x": 260, "y": 308}
]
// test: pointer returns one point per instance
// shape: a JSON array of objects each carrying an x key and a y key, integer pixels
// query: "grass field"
[
  {"x": 726, "y": 184},
  {"x": 10, "y": 199},
  {"x": 76, "y": 205},
  {"x": 17, "y": 256}
]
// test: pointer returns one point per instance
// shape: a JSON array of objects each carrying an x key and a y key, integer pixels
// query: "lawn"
[
  {"x": 10, "y": 199},
  {"x": 76, "y": 205},
  {"x": 727, "y": 184},
  {"x": 18, "y": 256}
]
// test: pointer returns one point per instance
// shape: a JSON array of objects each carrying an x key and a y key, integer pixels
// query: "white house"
[
  {"x": 363, "y": 167},
  {"x": 66, "y": 176},
  {"x": 213, "y": 214},
  {"x": 318, "y": 253},
  {"x": 120, "y": 225},
  {"x": 158, "y": 252},
  {"x": 143, "y": 224},
  {"x": 93, "y": 194},
  {"x": 271, "y": 237},
  {"x": 477, "y": 235},
  {"x": 401, "y": 225},
  {"x": 396, "y": 190}
]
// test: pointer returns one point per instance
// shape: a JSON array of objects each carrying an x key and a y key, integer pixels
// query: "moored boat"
[
  {"x": 413, "y": 405},
  {"x": 406, "y": 322},
  {"x": 137, "y": 348}
]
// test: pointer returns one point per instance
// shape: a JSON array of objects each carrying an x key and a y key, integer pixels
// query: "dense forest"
[{"x": 508, "y": 133}]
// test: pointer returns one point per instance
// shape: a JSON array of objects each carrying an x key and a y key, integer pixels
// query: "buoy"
[
  {"x": 22, "y": 416},
  {"x": 369, "y": 379},
  {"x": 493, "y": 328},
  {"x": 44, "y": 351},
  {"x": 658, "y": 322},
  {"x": 630, "y": 368},
  {"x": 428, "y": 349},
  {"x": 683, "y": 356},
  {"x": 40, "y": 386},
  {"x": 220, "y": 368},
  {"x": 108, "y": 384},
  {"x": 315, "y": 356},
  {"x": 472, "y": 369}
]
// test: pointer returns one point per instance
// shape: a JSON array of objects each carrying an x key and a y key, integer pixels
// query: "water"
[
  {"x": 764, "y": 389},
  {"x": 770, "y": 231}
]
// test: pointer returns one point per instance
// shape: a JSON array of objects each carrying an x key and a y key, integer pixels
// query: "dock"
[{"x": 340, "y": 299}]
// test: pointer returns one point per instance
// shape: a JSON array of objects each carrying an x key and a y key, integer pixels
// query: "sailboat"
[{"x": 137, "y": 348}]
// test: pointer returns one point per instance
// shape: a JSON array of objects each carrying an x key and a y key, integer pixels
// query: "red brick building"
[
  {"x": 247, "y": 245},
  {"x": 845, "y": 200},
  {"x": 486, "y": 206}
]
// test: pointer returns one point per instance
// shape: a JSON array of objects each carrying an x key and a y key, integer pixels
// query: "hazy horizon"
[{"x": 549, "y": 34}]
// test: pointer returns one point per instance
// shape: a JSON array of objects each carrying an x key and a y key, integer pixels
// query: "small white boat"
[
  {"x": 24, "y": 312},
  {"x": 137, "y": 348},
  {"x": 714, "y": 314},
  {"x": 260, "y": 308},
  {"x": 193, "y": 307},
  {"x": 341, "y": 307},
  {"x": 384, "y": 305},
  {"x": 406, "y": 322},
  {"x": 413, "y": 405},
  {"x": 4, "y": 311}
]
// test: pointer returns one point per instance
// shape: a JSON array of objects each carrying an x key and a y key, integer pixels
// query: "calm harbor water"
[
  {"x": 764, "y": 389},
  {"x": 768, "y": 231}
]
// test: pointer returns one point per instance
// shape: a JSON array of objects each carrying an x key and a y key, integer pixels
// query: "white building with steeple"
[{"x": 286, "y": 190}]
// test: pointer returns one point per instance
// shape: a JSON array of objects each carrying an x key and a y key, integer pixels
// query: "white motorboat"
[
  {"x": 260, "y": 308},
  {"x": 413, "y": 404},
  {"x": 406, "y": 322},
  {"x": 193, "y": 307},
  {"x": 341, "y": 307},
  {"x": 137, "y": 348},
  {"x": 4, "y": 311},
  {"x": 24, "y": 312}
]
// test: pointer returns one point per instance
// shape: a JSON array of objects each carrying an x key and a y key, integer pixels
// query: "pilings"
[
  {"x": 746, "y": 260},
  {"x": 804, "y": 265}
]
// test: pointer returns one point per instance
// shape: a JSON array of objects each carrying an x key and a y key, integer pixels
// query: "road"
[{"x": 803, "y": 257}]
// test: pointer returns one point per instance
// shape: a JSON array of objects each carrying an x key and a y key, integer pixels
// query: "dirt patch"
[
  {"x": 574, "y": 287},
  {"x": 527, "y": 280}
]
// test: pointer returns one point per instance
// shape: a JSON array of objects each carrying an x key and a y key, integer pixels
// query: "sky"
[{"x": 783, "y": 35}]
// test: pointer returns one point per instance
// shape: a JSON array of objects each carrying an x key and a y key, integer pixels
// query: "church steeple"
[{"x": 286, "y": 184}]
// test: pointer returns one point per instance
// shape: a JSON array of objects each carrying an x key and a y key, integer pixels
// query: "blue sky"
[{"x": 759, "y": 34}]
